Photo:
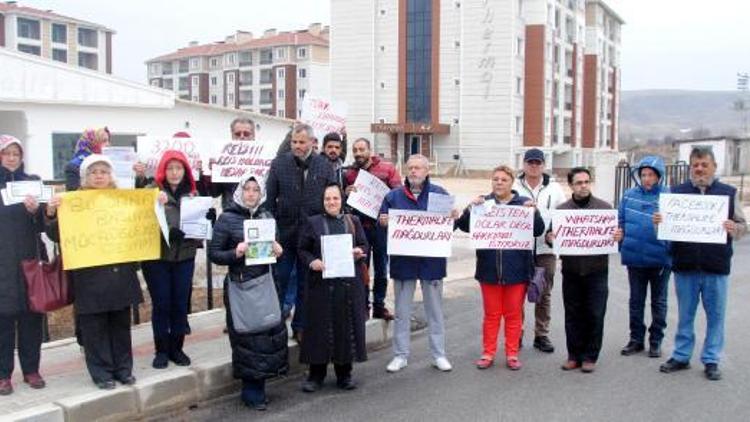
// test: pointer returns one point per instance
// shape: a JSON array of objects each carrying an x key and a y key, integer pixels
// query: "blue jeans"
[
  {"x": 377, "y": 237},
  {"x": 692, "y": 287},
  {"x": 286, "y": 266},
  {"x": 640, "y": 278},
  {"x": 169, "y": 286}
]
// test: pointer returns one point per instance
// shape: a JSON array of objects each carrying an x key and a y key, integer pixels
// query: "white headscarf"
[{"x": 238, "y": 197}]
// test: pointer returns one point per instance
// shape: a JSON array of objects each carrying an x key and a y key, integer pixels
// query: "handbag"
[
  {"x": 537, "y": 285},
  {"x": 254, "y": 304},
  {"x": 47, "y": 285}
]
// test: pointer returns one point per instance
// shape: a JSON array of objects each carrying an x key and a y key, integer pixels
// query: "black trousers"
[
  {"x": 107, "y": 344},
  {"x": 318, "y": 372},
  {"x": 28, "y": 327},
  {"x": 585, "y": 299}
]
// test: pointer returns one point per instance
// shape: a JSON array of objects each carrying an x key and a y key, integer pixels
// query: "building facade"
[
  {"x": 55, "y": 37},
  {"x": 270, "y": 74},
  {"x": 475, "y": 83}
]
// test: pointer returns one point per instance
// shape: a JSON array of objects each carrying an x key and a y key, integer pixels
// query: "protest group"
[{"x": 310, "y": 240}]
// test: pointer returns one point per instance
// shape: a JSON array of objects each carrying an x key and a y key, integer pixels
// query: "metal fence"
[{"x": 674, "y": 175}]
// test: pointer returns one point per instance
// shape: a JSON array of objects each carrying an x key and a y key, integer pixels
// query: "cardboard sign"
[
  {"x": 108, "y": 226},
  {"x": 150, "y": 150},
  {"x": 238, "y": 158},
  {"x": 369, "y": 195},
  {"x": 323, "y": 115},
  {"x": 693, "y": 218},
  {"x": 584, "y": 232},
  {"x": 419, "y": 233},
  {"x": 502, "y": 227}
]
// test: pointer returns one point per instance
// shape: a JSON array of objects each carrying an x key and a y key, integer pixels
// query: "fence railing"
[{"x": 674, "y": 175}]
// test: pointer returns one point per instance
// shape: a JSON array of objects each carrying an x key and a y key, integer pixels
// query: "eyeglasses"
[{"x": 243, "y": 134}]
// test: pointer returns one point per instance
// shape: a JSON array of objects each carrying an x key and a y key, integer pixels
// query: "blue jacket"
[
  {"x": 503, "y": 266},
  {"x": 639, "y": 247},
  {"x": 413, "y": 267}
]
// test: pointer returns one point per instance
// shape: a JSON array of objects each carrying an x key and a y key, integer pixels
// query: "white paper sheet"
[
  {"x": 338, "y": 258},
  {"x": 123, "y": 159},
  {"x": 161, "y": 217},
  {"x": 440, "y": 203},
  {"x": 260, "y": 235},
  {"x": 193, "y": 220},
  {"x": 16, "y": 192}
]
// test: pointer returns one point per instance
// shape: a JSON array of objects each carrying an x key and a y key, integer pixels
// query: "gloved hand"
[{"x": 211, "y": 215}]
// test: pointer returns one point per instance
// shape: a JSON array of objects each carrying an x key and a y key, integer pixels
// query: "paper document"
[
  {"x": 338, "y": 258},
  {"x": 260, "y": 235}
]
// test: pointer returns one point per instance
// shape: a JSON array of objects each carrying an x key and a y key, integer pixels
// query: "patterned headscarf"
[{"x": 91, "y": 141}]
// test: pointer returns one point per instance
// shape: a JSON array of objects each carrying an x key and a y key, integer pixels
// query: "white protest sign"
[
  {"x": 123, "y": 159},
  {"x": 150, "y": 150},
  {"x": 193, "y": 221},
  {"x": 419, "y": 233},
  {"x": 584, "y": 232},
  {"x": 238, "y": 158},
  {"x": 338, "y": 259},
  {"x": 260, "y": 235},
  {"x": 369, "y": 194},
  {"x": 440, "y": 203},
  {"x": 323, "y": 115},
  {"x": 502, "y": 227},
  {"x": 16, "y": 192},
  {"x": 693, "y": 218}
]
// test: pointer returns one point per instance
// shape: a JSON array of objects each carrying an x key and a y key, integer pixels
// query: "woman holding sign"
[
  {"x": 103, "y": 294},
  {"x": 20, "y": 225},
  {"x": 256, "y": 356},
  {"x": 331, "y": 246},
  {"x": 503, "y": 273},
  {"x": 169, "y": 279}
]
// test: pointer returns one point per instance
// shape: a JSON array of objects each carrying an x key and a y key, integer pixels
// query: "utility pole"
[{"x": 742, "y": 105}]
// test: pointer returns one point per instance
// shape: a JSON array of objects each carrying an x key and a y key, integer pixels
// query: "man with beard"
[
  {"x": 377, "y": 236},
  {"x": 332, "y": 147}
]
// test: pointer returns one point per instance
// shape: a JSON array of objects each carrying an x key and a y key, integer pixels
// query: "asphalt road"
[{"x": 622, "y": 388}]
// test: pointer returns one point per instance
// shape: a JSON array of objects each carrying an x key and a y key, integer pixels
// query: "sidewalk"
[{"x": 70, "y": 394}]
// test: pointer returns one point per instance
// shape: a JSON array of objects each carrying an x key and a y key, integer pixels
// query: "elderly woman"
[
  {"x": 103, "y": 295},
  {"x": 335, "y": 309},
  {"x": 256, "y": 357},
  {"x": 169, "y": 279},
  {"x": 91, "y": 142},
  {"x": 503, "y": 275},
  {"x": 20, "y": 225}
]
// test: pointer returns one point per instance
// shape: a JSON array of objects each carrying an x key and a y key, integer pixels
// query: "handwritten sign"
[
  {"x": 419, "y": 233},
  {"x": 323, "y": 115},
  {"x": 584, "y": 232},
  {"x": 150, "y": 150},
  {"x": 693, "y": 218},
  {"x": 108, "y": 226},
  {"x": 238, "y": 158},
  {"x": 502, "y": 227},
  {"x": 369, "y": 195}
]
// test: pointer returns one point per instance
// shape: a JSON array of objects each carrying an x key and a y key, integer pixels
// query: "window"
[
  {"x": 281, "y": 73},
  {"x": 246, "y": 58},
  {"x": 519, "y": 85},
  {"x": 30, "y": 49},
  {"x": 183, "y": 83},
  {"x": 281, "y": 53},
  {"x": 28, "y": 28},
  {"x": 518, "y": 124},
  {"x": 213, "y": 99},
  {"x": 156, "y": 83},
  {"x": 246, "y": 77},
  {"x": 302, "y": 53},
  {"x": 281, "y": 94},
  {"x": 230, "y": 59},
  {"x": 214, "y": 62},
  {"x": 230, "y": 77},
  {"x": 88, "y": 37},
  {"x": 302, "y": 73},
  {"x": 266, "y": 56},
  {"x": 195, "y": 63},
  {"x": 59, "y": 33},
  {"x": 266, "y": 96},
  {"x": 519, "y": 46},
  {"x": 265, "y": 76},
  {"x": 195, "y": 98},
  {"x": 230, "y": 100},
  {"x": 418, "y": 61},
  {"x": 155, "y": 68},
  {"x": 63, "y": 147},
  {"x": 246, "y": 98},
  {"x": 280, "y": 113},
  {"x": 195, "y": 80},
  {"x": 168, "y": 84},
  {"x": 88, "y": 60},
  {"x": 214, "y": 81},
  {"x": 183, "y": 66},
  {"x": 60, "y": 55},
  {"x": 166, "y": 68},
  {"x": 185, "y": 97},
  {"x": 302, "y": 93}
]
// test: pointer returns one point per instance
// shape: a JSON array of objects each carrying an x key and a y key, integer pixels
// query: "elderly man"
[
  {"x": 294, "y": 191},
  {"x": 406, "y": 270},
  {"x": 701, "y": 271},
  {"x": 376, "y": 236},
  {"x": 547, "y": 195}
]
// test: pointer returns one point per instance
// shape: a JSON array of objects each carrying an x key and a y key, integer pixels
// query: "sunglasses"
[{"x": 243, "y": 134}]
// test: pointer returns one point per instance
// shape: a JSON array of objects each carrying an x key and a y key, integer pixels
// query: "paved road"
[{"x": 623, "y": 388}]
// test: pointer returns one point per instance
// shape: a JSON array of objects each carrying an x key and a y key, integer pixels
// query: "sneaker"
[
  {"x": 513, "y": 363},
  {"x": 673, "y": 365},
  {"x": 311, "y": 386},
  {"x": 712, "y": 372},
  {"x": 484, "y": 362},
  {"x": 654, "y": 351},
  {"x": 543, "y": 344},
  {"x": 442, "y": 364},
  {"x": 381, "y": 312},
  {"x": 6, "y": 388},
  {"x": 35, "y": 381},
  {"x": 632, "y": 348},
  {"x": 398, "y": 363}
]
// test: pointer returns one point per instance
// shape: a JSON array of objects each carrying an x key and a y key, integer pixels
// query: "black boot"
[
  {"x": 161, "y": 358},
  {"x": 176, "y": 354}
]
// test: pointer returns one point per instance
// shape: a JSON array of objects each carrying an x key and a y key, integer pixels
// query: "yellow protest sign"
[{"x": 108, "y": 226}]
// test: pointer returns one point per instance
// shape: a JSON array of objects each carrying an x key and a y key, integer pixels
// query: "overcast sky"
[{"x": 667, "y": 44}]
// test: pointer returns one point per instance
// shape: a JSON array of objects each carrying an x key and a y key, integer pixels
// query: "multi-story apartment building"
[
  {"x": 475, "y": 82},
  {"x": 270, "y": 74},
  {"x": 57, "y": 37}
]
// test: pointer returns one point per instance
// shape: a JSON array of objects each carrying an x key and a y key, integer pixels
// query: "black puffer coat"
[
  {"x": 254, "y": 356},
  {"x": 18, "y": 233}
]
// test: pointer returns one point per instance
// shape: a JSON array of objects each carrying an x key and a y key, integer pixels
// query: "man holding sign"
[
  {"x": 701, "y": 270},
  {"x": 583, "y": 234},
  {"x": 427, "y": 268},
  {"x": 386, "y": 173}
]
